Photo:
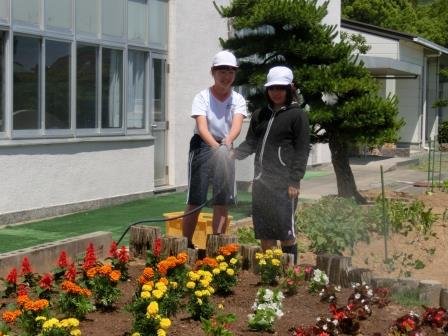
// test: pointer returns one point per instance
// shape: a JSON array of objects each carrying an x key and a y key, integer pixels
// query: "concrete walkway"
[{"x": 398, "y": 176}]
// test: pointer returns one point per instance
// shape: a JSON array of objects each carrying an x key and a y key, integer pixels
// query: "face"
[
  {"x": 277, "y": 93},
  {"x": 224, "y": 76}
]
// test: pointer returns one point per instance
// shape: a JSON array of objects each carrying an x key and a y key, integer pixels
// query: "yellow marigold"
[
  {"x": 145, "y": 295},
  {"x": 165, "y": 323},
  {"x": 11, "y": 316},
  {"x": 51, "y": 323},
  {"x": 276, "y": 262},
  {"x": 216, "y": 271},
  {"x": 199, "y": 301},
  {"x": 70, "y": 322},
  {"x": 153, "y": 308},
  {"x": 211, "y": 290},
  {"x": 262, "y": 262},
  {"x": 161, "y": 286},
  {"x": 40, "y": 318},
  {"x": 136, "y": 334},
  {"x": 220, "y": 258},
  {"x": 75, "y": 332},
  {"x": 164, "y": 280},
  {"x": 191, "y": 284},
  {"x": 193, "y": 276},
  {"x": 115, "y": 275},
  {"x": 198, "y": 293},
  {"x": 233, "y": 261},
  {"x": 259, "y": 255},
  {"x": 173, "y": 284},
  {"x": 161, "y": 332},
  {"x": 278, "y": 252},
  {"x": 157, "y": 293},
  {"x": 230, "y": 271}
]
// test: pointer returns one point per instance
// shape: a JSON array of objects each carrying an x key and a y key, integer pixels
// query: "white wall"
[
  {"x": 41, "y": 176},
  {"x": 408, "y": 92},
  {"x": 194, "y": 33}
]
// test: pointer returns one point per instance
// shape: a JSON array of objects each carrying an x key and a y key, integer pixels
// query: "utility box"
[{"x": 203, "y": 227}]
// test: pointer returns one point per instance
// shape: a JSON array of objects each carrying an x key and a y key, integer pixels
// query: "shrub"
[
  {"x": 333, "y": 224},
  {"x": 443, "y": 132}
]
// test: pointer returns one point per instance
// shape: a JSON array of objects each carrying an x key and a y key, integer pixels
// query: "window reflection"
[
  {"x": 26, "y": 83},
  {"x": 2, "y": 81},
  {"x": 86, "y": 86},
  {"x": 112, "y": 88},
  {"x": 57, "y": 85},
  {"x": 136, "y": 89}
]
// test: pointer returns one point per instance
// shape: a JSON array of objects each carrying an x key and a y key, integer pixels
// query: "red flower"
[
  {"x": 26, "y": 266},
  {"x": 434, "y": 317},
  {"x": 22, "y": 290},
  {"x": 113, "y": 250},
  {"x": 123, "y": 255},
  {"x": 90, "y": 258},
  {"x": 338, "y": 313},
  {"x": 63, "y": 261},
  {"x": 157, "y": 247},
  {"x": 70, "y": 274},
  {"x": 46, "y": 281},
  {"x": 12, "y": 277}
]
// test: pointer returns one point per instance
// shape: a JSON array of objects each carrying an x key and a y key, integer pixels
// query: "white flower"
[
  {"x": 329, "y": 98},
  {"x": 324, "y": 327},
  {"x": 357, "y": 296}
]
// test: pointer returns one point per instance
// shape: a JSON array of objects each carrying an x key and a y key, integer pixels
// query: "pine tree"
[{"x": 290, "y": 32}]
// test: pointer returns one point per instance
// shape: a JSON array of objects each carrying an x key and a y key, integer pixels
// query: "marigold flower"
[
  {"x": 161, "y": 332},
  {"x": 11, "y": 316},
  {"x": 153, "y": 308},
  {"x": 75, "y": 332},
  {"x": 230, "y": 271},
  {"x": 191, "y": 284},
  {"x": 165, "y": 323},
  {"x": 115, "y": 275},
  {"x": 145, "y": 295}
]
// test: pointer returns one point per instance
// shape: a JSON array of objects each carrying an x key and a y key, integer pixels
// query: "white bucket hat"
[
  {"x": 279, "y": 75},
  {"x": 224, "y": 58}
]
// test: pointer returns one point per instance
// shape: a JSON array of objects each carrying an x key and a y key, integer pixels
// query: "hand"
[
  {"x": 226, "y": 141},
  {"x": 293, "y": 192}
]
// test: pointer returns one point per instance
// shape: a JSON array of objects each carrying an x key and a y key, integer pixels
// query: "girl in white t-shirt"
[{"x": 219, "y": 112}]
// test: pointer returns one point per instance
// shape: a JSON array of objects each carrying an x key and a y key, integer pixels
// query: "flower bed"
[{"x": 299, "y": 311}]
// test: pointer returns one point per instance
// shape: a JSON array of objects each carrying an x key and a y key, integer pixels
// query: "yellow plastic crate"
[{"x": 203, "y": 227}]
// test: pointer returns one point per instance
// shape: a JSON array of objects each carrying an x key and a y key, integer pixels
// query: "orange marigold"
[
  {"x": 11, "y": 316},
  {"x": 36, "y": 305},
  {"x": 229, "y": 249},
  {"x": 71, "y": 287},
  {"x": 91, "y": 272},
  {"x": 147, "y": 275},
  {"x": 115, "y": 275},
  {"x": 181, "y": 258},
  {"x": 105, "y": 269}
]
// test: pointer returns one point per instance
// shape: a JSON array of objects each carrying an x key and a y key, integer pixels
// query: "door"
[{"x": 159, "y": 123}]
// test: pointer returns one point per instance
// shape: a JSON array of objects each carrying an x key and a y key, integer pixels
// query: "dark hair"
[{"x": 290, "y": 95}]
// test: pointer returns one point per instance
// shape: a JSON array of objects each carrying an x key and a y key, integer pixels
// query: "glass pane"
[
  {"x": 4, "y": 10},
  {"x": 87, "y": 16},
  {"x": 26, "y": 83},
  {"x": 112, "y": 88},
  {"x": 137, "y": 20},
  {"x": 59, "y": 13},
  {"x": 26, "y": 10},
  {"x": 113, "y": 17},
  {"x": 159, "y": 89},
  {"x": 57, "y": 85},
  {"x": 86, "y": 86},
  {"x": 158, "y": 22},
  {"x": 136, "y": 89},
  {"x": 2, "y": 81}
]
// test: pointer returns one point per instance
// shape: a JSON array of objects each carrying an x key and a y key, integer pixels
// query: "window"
[
  {"x": 57, "y": 85},
  {"x": 158, "y": 23},
  {"x": 136, "y": 89},
  {"x": 58, "y": 14},
  {"x": 4, "y": 10},
  {"x": 113, "y": 18},
  {"x": 27, "y": 11},
  {"x": 159, "y": 89},
  {"x": 2, "y": 81},
  {"x": 137, "y": 20},
  {"x": 112, "y": 88},
  {"x": 86, "y": 86},
  {"x": 26, "y": 83},
  {"x": 87, "y": 16}
]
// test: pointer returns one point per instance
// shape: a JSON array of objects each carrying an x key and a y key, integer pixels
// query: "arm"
[
  {"x": 204, "y": 133},
  {"x": 249, "y": 145},
  {"x": 301, "y": 151},
  {"x": 235, "y": 130}
]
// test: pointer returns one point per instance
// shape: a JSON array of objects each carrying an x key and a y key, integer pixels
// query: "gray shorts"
[{"x": 207, "y": 166}]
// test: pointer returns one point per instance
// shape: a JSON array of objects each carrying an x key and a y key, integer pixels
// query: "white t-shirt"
[{"x": 219, "y": 113}]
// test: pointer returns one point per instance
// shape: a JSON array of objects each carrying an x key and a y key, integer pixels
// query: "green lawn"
[{"x": 114, "y": 219}]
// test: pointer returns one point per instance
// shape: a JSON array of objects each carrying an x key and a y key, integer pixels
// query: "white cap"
[
  {"x": 225, "y": 58},
  {"x": 279, "y": 75}
]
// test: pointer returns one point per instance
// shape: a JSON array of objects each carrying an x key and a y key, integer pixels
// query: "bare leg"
[
  {"x": 290, "y": 246},
  {"x": 189, "y": 223},
  {"x": 220, "y": 213},
  {"x": 267, "y": 244}
]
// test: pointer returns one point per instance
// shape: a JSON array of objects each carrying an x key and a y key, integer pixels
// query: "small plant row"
[{"x": 52, "y": 304}]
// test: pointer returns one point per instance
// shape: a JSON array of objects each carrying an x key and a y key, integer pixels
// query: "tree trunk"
[{"x": 344, "y": 175}]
